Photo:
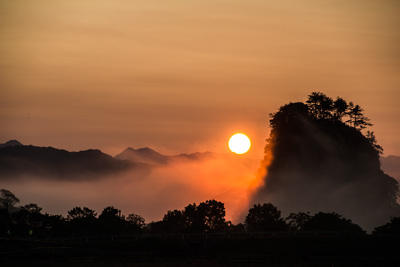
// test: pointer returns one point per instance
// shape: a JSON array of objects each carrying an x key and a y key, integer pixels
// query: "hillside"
[{"x": 319, "y": 163}]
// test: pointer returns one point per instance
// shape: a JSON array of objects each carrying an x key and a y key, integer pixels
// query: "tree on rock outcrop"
[{"x": 316, "y": 161}]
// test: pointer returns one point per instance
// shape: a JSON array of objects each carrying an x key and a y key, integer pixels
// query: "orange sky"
[{"x": 182, "y": 76}]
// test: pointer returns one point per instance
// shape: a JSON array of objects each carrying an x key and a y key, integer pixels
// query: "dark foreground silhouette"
[
  {"x": 196, "y": 235},
  {"x": 272, "y": 249}
]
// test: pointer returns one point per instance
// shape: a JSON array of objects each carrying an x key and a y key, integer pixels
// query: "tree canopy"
[
  {"x": 264, "y": 217},
  {"x": 391, "y": 228},
  {"x": 81, "y": 213},
  {"x": 7, "y": 199},
  {"x": 206, "y": 217},
  {"x": 331, "y": 222},
  {"x": 323, "y": 107}
]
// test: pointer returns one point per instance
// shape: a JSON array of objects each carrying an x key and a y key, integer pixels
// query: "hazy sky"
[{"x": 182, "y": 76}]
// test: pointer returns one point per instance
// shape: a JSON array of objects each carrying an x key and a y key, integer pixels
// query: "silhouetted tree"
[
  {"x": 357, "y": 119},
  {"x": 110, "y": 213},
  {"x": 264, "y": 217},
  {"x": 391, "y": 228},
  {"x": 213, "y": 213},
  {"x": 175, "y": 221},
  {"x": 7, "y": 199},
  {"x": 135, "y": 222},
  {"x": 82, "y": 221},
  {"x": 323, "y": 107},
  {"x": 111, "y": 221},
  {"x": 331, "y": 222},
  {"x": 320, "y": 105},
  {"x": 195, "y": 221},
  {"x": 31, "y": 209},
  {"x": 372, "y": 139},
  {"x": 296, "y": 221},
  {"x": 208, "y": 216},
  {"x": 30, "y": 219},
  {"x": 339, "y": 108},
  {"x": 79, "y": 213}
]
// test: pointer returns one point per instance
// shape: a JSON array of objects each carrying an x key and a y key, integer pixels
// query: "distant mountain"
[
  {"x": 197, "y": 156},
  {"x": 11, "y": 143},
  {"x": 48, "y": 162},
  {"x": 149, "y": 156},
  {"x": 391, "y": 166},
  {"x": 18, "y": 161},
  {"x": 144, "y": 155}
]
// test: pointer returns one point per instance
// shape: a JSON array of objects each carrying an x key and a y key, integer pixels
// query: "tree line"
[
  {"x": 206, "y": 217},
  {"x": 321, "y": 107}
]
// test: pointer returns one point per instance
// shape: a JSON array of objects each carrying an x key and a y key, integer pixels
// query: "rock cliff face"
[{"x": 325, "y": 165}]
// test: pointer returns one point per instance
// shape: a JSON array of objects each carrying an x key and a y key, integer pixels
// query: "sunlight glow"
[{"x": 239, "y": 143}]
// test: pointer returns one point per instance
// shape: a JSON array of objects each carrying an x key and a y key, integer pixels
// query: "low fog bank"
[
  {"x": 150, "y": 194},
  {"x": 324, "y": 165}
]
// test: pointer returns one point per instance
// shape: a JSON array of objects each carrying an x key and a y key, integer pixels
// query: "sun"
[{"x": 239, "y": 143}]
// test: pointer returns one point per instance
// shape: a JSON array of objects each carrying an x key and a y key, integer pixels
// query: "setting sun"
[{"x": 239, "y": 143}]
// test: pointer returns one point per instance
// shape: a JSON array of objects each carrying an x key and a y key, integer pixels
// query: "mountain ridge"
[
  {"x": 150, "y": 156},
  {"x": 145, "y": 155},
  {"x": 18, "y": 160},
  {"x": 22, "y": 160}
]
